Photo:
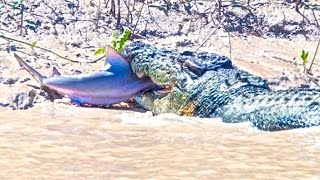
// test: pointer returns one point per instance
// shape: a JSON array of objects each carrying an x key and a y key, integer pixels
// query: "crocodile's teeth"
[{"x": 164, "y": 90}]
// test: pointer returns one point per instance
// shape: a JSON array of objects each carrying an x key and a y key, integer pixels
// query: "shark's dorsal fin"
[{"x": 114, "y": 61}]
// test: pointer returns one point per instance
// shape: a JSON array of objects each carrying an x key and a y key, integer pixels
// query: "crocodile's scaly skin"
[{"x": 208, "y": 85}]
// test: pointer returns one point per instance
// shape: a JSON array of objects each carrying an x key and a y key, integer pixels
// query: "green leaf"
[
  {"x": 304, "y": 57},
  {"x": 33, "y": 44},
  {"x": 100, "y": 51},
  {"x": 119, "y": 41}
]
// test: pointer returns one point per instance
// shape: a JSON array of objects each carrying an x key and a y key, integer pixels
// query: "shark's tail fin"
[{"x": 32, "y": 71}]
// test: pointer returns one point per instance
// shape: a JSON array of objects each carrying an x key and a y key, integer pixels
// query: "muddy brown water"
[
  {"x": 59, "y": 141},
  {"x": 63, "y": 142}
]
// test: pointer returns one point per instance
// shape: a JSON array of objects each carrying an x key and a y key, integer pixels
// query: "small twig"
[
  {"x": 298, "y": 2},
  {"x": 48, "y": 50},
  {"x": 129, "y": 16},
  {"x": 21, "y": 19},
  {"x": 315, "y": 18},
  {"x": 118, "y": 14},
  {"x": 140, "y": 12},
  {"x": 313, "y": 80},
  {"x": 96, "y": 60},
  {"x": 86, "y": 39},
  {"x": 230, "y": 48},
  {"x": 314, "y": 56},
  {"x": 134, "y": 5},
  {"x": 98, "y": 16},
  {"x": 29, "y": 44},
  {"x": 219, "y": 26},
  {"x": 154, "y": 19},
  {"x": 219, "y": 10},
  {"x": 106, "y": 2},
  {"x": 113, "y": 8}
]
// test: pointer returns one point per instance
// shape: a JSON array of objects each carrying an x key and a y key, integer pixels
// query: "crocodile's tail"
[{"x": 277, "y": 110}]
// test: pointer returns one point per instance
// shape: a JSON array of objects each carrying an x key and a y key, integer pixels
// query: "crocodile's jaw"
[{"x": 176, "y": 101}]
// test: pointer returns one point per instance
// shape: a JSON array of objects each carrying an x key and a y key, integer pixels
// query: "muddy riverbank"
[{"x": 264, "y": 38}]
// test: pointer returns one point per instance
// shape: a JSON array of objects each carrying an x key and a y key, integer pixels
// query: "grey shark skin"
[{"x": 116, "y": 83}]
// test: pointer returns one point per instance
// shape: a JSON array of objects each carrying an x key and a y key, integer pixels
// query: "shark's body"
[
  {"x": 100, "y": 88},
  {"x": 116, "y": 83}
]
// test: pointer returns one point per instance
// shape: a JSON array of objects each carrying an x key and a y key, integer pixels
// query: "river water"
[{"x": 61, "y": 141}]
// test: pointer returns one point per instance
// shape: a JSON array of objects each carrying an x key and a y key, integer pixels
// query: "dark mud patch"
[{"x": 25, "y": 100}]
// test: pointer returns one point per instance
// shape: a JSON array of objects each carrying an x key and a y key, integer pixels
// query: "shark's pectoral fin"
[{"x": 55, "y": 72}]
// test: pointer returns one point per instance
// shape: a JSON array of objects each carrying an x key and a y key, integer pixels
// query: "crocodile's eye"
[
  {"x": 182, "y": 82},
  {"x": 195, "y": 68}
]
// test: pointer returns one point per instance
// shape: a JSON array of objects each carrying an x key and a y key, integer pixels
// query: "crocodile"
[
  {"x": 188, "y": 84},
  {"x": 209, "y": 85}
]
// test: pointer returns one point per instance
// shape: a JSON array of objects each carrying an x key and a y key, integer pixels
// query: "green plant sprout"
[
  {"x": 33, "y": 44},
  {"x": 304, "y": 57},
  {"x": 99, "y": 51},
  {"x": 119, "y": 41}
]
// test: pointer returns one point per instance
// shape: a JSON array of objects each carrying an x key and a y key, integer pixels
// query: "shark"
[{"x": 114, "y": 83}]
